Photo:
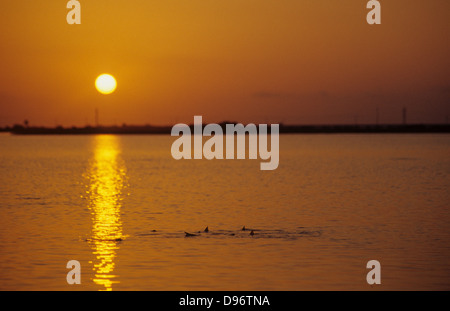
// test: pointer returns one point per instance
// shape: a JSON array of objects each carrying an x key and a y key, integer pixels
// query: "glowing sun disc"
[{"x": 105, "y": 83}]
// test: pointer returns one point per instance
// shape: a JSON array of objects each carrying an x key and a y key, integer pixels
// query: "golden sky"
[{"x": 270, "y": 61}]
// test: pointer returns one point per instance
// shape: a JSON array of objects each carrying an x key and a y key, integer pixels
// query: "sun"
[{"x": 105, "y": 83}]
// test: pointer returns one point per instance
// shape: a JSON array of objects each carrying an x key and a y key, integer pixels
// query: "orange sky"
[{"x": 270, "y": 61}]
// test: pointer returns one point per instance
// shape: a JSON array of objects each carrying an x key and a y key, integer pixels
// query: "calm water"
[{"x": 120, "y": 206}]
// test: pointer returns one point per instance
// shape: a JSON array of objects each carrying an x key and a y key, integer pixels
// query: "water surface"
[{"x": 120, "y": 206}]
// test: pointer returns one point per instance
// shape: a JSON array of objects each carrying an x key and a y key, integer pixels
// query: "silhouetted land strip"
[{"x": 284, "y": 129}]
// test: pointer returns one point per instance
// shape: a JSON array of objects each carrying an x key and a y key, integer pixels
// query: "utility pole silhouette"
[
  {"x": 96, "y": 117},
  {"x": 377, "y": 116}
]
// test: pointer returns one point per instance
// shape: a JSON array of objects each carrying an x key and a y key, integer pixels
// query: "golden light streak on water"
[{"x": 107, "y": 176}]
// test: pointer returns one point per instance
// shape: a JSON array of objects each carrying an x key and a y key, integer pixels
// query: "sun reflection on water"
[{"x": 106, "y": 182}]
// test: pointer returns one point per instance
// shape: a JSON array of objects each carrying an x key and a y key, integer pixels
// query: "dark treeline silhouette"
[{"x": 284, "y": 129}]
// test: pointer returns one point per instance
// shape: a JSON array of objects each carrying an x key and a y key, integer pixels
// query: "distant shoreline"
[{"x": 284, "y": 129}]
